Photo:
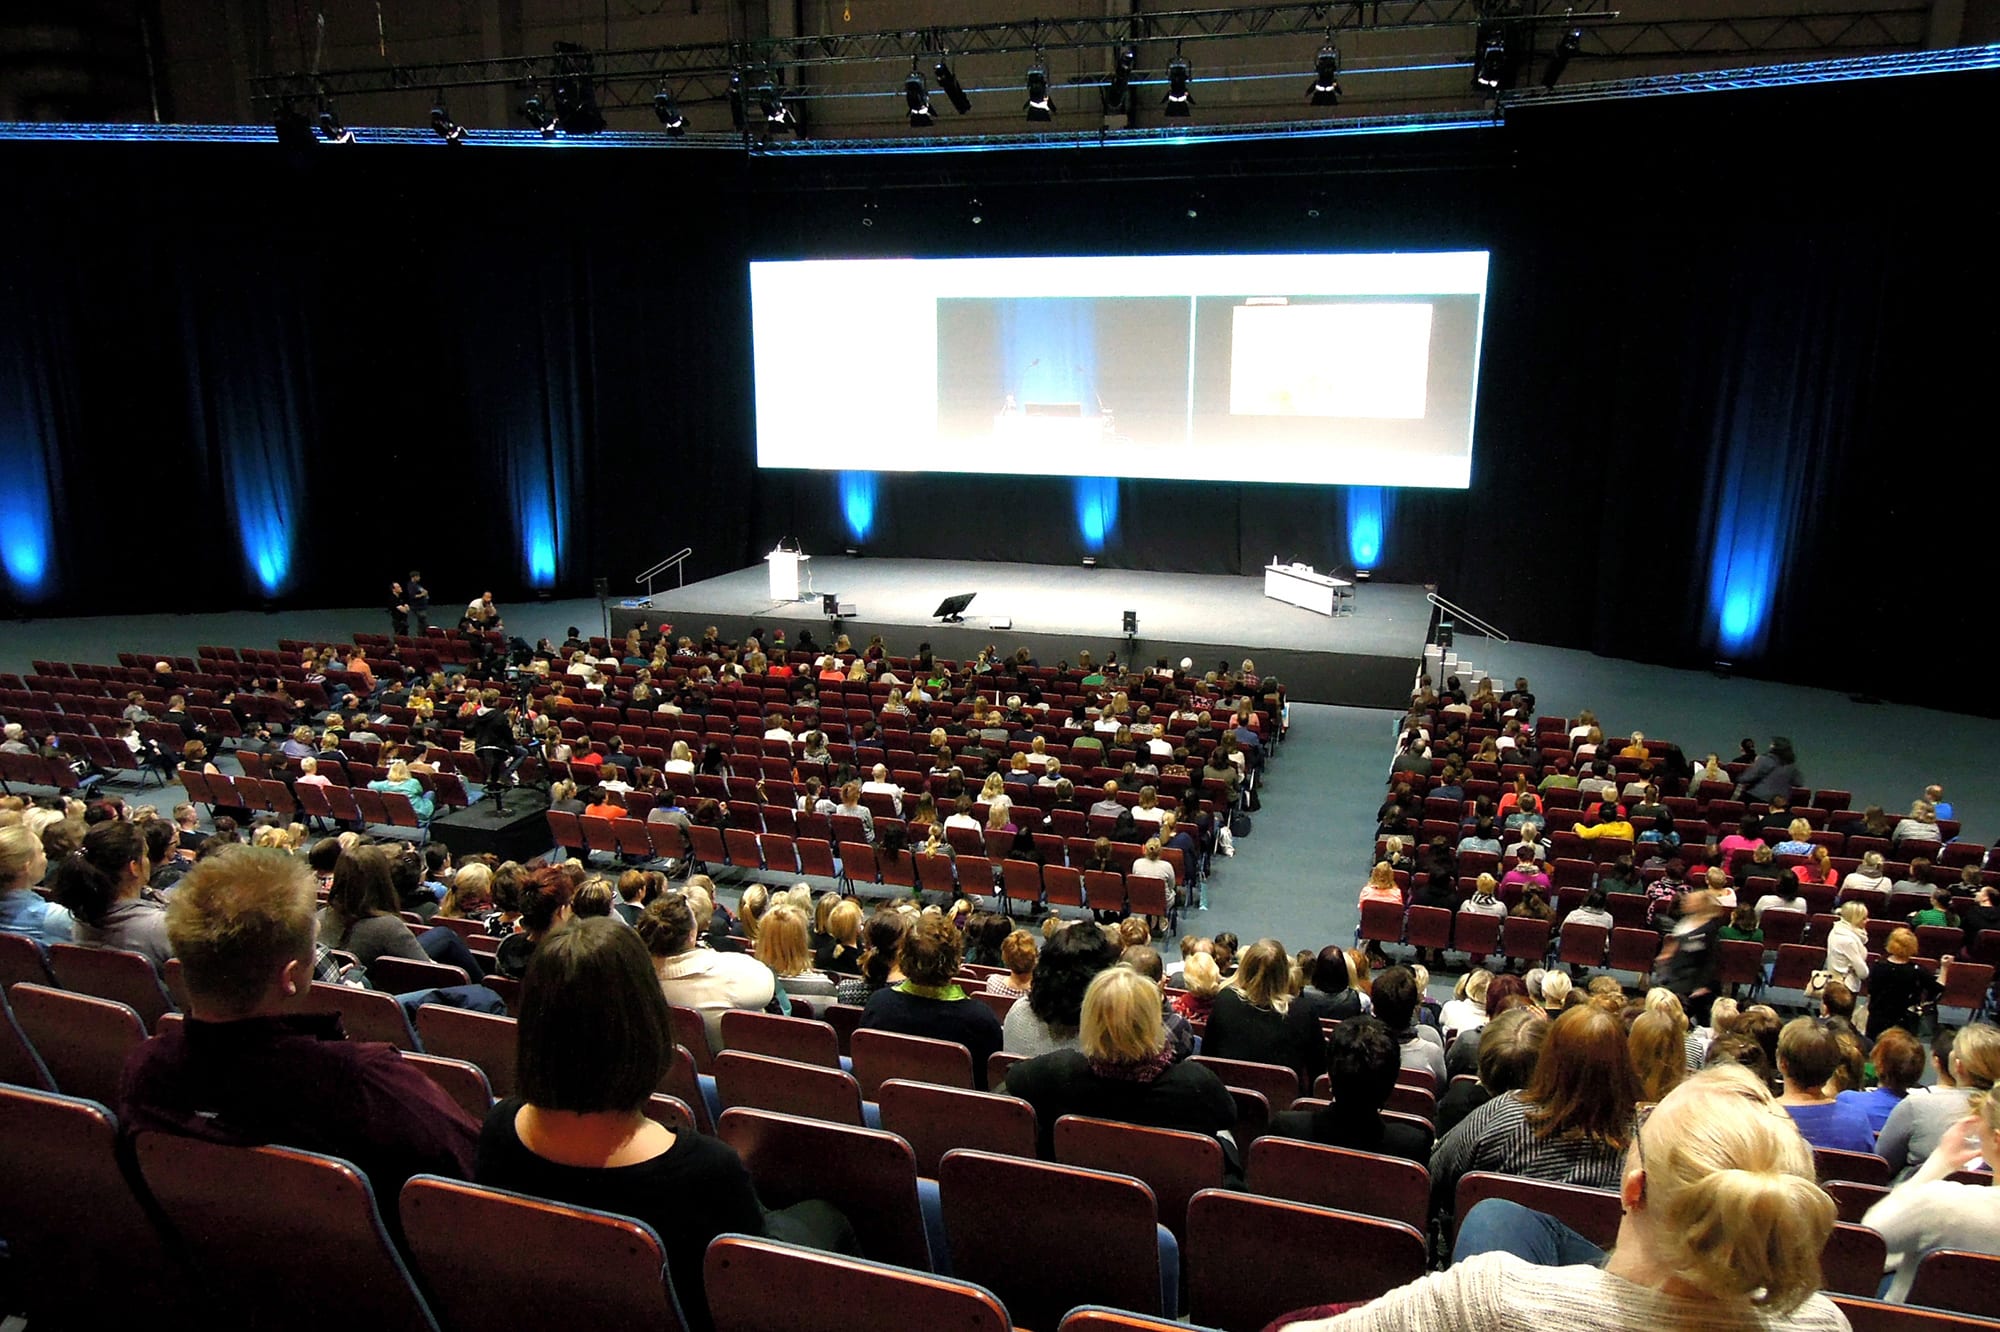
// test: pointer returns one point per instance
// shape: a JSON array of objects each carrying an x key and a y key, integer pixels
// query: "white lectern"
[{"x": 785, "y": 573}]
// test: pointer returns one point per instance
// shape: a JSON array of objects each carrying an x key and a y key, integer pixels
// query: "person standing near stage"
[
  {"x": 399, "y": 611},
  {"x": 419, "y": 598}
]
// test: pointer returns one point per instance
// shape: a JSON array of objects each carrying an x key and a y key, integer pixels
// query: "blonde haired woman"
[
  {"x": 750, "y": 909},
  {"x": 679, "y": 759},
  {"x": 1203, "y": 981},
  {"x": 1847, "y": 946},
  {"x": 1123, "y": 1068},
  {"x": 400, "y": 782},
  {"x": 1723, "y": 1227},
  {"x": 1254, "y": 1018},
  {"x": 784, "y": 944},
  {"x": 1928, "y": 1211},
  {"x": 22, "y": 909}
]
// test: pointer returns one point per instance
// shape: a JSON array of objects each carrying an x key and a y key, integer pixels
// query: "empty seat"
[
  {"x": 1591, "y": 1213},
  {"x": 1310, "y": 1172},
  {"x": 881, "y": 1055},
  {"x": 613, "y": 1266},
  {"x": 83, "y": 1041},
  {"x": 1174, "y": 1164},
  {"x": 1250, "y": 1259},
  {"x": 763, "y": 1083},
  {"x": 112, "y": 973},
  {"x": 268, "y": 1227},
  {"x": 871, "y": 1176},
  {"x": 478, "y": 1038},
  {"x": 757, "y": 1283},
  {"x": 459, "y": 1079},
  {"x": 935, "y": 1119},
  {"x": 801, "y": 1040},
  {"x": 1958, "y": 1280}
]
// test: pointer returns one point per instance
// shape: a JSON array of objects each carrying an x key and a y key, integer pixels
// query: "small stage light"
[
  {"x": 954, "y": 92},
  {"x": 669, "y": 113},
  {"x": 1178, "y": 103},
  {"x": 736, "y": 98},
  {"x": 1491, "y": 70},
  {"x": 1571, "y": 43},
  {"x": 330, "y": 127},
  {"x": 442, "y": 124},
  {"x": 538, "y": 115},
  {"x": 917, "y": 97},
  {"x": 1090, "y": 561},
  {"x": 1325, "y": 89},
  {"x": 1038, "y": 107},
  {"x": 576, "y": 90},
  {"x": 1122, "y": 69}
]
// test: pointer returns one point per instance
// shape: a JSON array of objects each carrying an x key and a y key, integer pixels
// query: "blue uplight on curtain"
[
  {"x": 858, "y": 492},
  {"x": 1752, "y": 515},
  {"x": 1096, "y": 510},
  {"x": 250, "y": 394},
  {"x": 35, "y": 402},
  {"x": 1369, "y": 509}
]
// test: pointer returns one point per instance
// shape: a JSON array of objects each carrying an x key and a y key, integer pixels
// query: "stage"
[{"x": 1367, "y": 659}]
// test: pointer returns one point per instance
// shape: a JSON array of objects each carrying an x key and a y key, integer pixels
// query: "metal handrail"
[
  {"x": 1465, "y": 616},
  {"x": 674, "y": 561}
]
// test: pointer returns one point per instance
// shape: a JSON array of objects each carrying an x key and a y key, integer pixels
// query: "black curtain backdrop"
[{"x": 1753, "y": 323}]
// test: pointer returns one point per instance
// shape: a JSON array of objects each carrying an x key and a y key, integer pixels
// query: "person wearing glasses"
[{"x": 1723, "y": 1226}]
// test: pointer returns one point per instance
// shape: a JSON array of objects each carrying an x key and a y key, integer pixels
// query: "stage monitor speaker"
[
  {"x": 847, "y": 610},
  {"x": 1000, "y": 622},
  {"x": 952, "y": 609},
  {"x": 602, "y": 587},
  {"x": 1131, "y": 622}
]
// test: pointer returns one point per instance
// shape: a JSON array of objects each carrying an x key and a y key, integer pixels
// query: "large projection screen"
[{"x": 1318, "y": 369}]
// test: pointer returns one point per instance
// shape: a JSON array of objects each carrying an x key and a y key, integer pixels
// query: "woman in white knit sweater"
[
  {"x": 1847, "y": 946},
  {"x": 1927, "y": 1211},
  {"x": 1723, "y": 1226}
]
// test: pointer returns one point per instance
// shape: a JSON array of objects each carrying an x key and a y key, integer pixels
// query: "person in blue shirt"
[
  {"x": 1898, "y": 1060},
  {"x": 1942, "y": 807},
  {"x": 22, "y": 909},
  {"x": 1808, "y": 1054}
]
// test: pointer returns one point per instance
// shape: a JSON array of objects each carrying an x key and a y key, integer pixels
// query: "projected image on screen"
[
  {"x": 1353, "y": 369},
  {"x": 1047, "y": 375}
]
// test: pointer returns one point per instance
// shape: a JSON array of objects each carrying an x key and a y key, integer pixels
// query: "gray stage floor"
[{"x": 1070, "y": 601}]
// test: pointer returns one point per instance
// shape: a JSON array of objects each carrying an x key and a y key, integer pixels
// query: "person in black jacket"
[
  {"x": 1123, "y": 1070},
  {"x": 1362, "y": 1064},
  {"x": 1330, "y": 992},
  {"x": 1255, "y": 1018},
  {"x": 929, "y": 1001}
]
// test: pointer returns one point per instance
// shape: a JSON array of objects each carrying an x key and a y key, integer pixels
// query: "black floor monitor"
[{"x": 952, "y": 609}]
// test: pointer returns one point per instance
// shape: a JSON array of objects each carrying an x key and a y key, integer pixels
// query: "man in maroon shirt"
[{"x": 253, "y": 1065}]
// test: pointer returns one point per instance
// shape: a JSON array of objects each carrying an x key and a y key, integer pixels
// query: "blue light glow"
[
  {"x": 857, "y": 503},
  {"x": 1096, "y": 510},
  {"x": 538, "y": 528},
  {"x": 1756, "y": 493},
  {"x": 1369, "y": 509},
  {"x": 25, "y": 526}
]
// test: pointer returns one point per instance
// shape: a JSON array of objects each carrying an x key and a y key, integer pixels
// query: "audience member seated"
[
  {"x": 1203, "y": 981},
  {"x": 546, "y": 897},
  {"x": 1970, "y": 1064},
  {"x": 1397, "y": 996},
  {"x": 22, "y": 909},
  {"x": 1508, "y": 1048},
  {"x": 1808, "y": 1054},
  {"x": 1898, "y": 1061},
  {"x": 929, "y": 1002},
  {"x": 251, "y": 1064},
  {"x": 701, "y": 978},
  {"x": 1052, "y": 1015},
  {"x": 1329, "y": 993},
  {"x": 595, "y": 1042},
  {"x": 102, "y": 885},
  {"x": 1017, "y": 954},
  {"x": 1929, "y": 1211},
  {"x": 1362, "y": 1064},
  {"x": 1255, "y": 1020},
  {"x": 784, "y": 944},
  {"x": 881, "y": 942},
  {"x": 1502, "y": 993},
  {"x": 1723, "y": 1227},
  {"x": 1899, "y": 988},
  {"x": 1571, "y": 1124},
  {"x": 1123, "y": 1068}
]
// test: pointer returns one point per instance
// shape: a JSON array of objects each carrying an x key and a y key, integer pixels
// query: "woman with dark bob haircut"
[
  {"x": 1053, "y": 1016},
  {"x": 593, "y": 1044}
]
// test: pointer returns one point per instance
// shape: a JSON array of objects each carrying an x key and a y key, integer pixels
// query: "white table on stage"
[
  {"x": 785, "y": 570},
  {"x": 1303, "y": 586}
]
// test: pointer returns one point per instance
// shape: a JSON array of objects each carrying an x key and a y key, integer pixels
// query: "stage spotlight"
[
  {"x": 954, "y": 92},
  {"x": 538, "y": 115},
  {"x": 1179, "y": 104},
  {"x": 576, "y": 90},
  {"x": 442, "y": 124},
  {"x": 1090, "y": 561},
  {"x": 1325, "y": 89},
  {"x": 330, "y": 127},
  {"x": 777, "y": 113},
  {"x": 1120, "y": 90},
  {"x": 1038, "y": 107},
  {"x": 669, "y": 113},
  {"x": 1491, "y": 70},
  {"x": 917, "y": 97},
  {"x": 1571, "y": 43},
  {"x": 294, "y": 130}
]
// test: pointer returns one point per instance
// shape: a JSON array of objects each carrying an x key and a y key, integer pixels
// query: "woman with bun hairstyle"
[{"x": 1723, "y": 1227}]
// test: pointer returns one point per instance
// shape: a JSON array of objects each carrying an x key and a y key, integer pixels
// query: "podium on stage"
[{"x": 786, "y": 568}]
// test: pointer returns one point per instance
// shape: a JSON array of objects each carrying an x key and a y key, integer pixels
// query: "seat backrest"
[
  {"x": 464, "y": 1082},
  {"x": 754, "y": 1283},
  {"x": 1097, "y": 1318},
  {"x": 1175, "y": 1165},
  {"x": 1853, "y": 1260},
  {"x": 1959, "y": 1280},
  {"x": 484, "y": 1039},
  {"x": 23, "y": 959},
  {"x": 84, "y": 1041},
  {"x": 84, "y": 1253},
  {"x": 1101, "y": 1245},
  {"x": 764, "y": 1083},
  {"x": 403, "y": 975},
  {"x": 1866, "y": 1315},
  {"x": 111, "y": 973},
  {"x": 881, "y": 1055},
  {"x": 1309, "y": 1172},
  {"x": 248, "y": 1216},
  {"x": 1591, "y": 1213},
  {"x": 801, "y": 1040},
  {"x": 870, "y": 1175},
  {"x": 366, "y": 1015},
  {"x": 1299, "y": 1256},
  {"x": 19, "y": 1064},
  {"x": 691, "y": 1030},
  {"x": 612, "y": 1265},
  {"x": 935, "y": 1119},
  {"x": 1280, "y": 1085},
  {"x": 1861, "y": 1167}
]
